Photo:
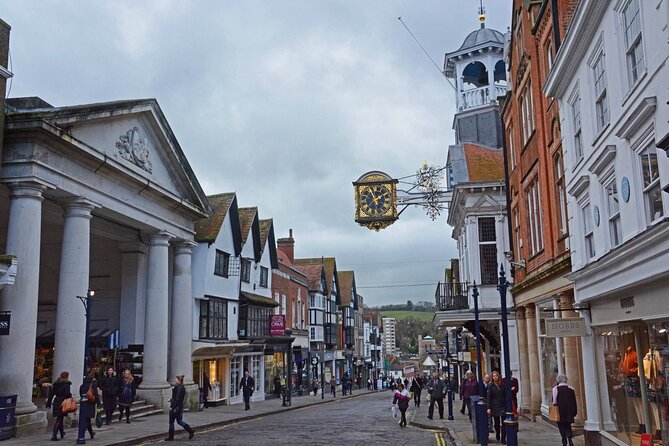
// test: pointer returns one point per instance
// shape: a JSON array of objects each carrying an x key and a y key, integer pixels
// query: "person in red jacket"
[{"x": 468, "y": 387}]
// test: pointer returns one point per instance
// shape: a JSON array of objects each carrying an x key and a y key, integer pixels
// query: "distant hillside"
[{"x": 425, "y": 316}]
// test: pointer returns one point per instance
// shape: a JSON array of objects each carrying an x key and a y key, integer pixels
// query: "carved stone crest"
[{"x": 135, "y": 149}]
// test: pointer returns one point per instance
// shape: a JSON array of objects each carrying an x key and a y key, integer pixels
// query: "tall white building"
[
  {"x": 611, "y": 78},
  {"x": 389, "y": 338}
]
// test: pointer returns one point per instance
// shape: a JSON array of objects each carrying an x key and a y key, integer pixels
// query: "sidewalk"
[
  {"x": 460, "y": 429},
  {"x": 155, "y": 427}
]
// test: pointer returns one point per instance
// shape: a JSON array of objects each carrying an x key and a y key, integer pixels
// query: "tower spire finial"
[{"x": 482, "y": 14}]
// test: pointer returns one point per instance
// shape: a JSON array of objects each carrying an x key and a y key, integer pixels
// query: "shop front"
[
  {"x": 211, "y": 370},
  {"x": 249, "y": 358},
  {"x": 630, "y": 348},
  {"x": 278, "y": 360}
]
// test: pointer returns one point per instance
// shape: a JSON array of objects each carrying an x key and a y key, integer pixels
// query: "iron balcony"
[{"x": 452, "y": 296}]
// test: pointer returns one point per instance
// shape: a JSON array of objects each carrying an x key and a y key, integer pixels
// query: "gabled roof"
[
  {"x": 249, "y": 223},
  {"x": 267, "y": 239},
  {"x": 64, "y": 122},
  {"x": 484, "y": 163},
  {"x": 330, "y": 271},
  {"x": 222, "y": 205},
  {"x": 347, "y": 290},
  {"x": 313, "y": 273}
]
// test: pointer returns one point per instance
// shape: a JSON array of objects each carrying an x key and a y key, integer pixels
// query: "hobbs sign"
[
  {"x": 277, "y": 325},
  {"x": 567, "y": 326}
]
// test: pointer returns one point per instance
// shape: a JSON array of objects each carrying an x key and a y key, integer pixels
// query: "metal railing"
[{"x": 452, "y": 296}]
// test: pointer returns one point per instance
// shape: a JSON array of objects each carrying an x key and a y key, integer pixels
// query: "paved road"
[{"x": 364, "y": 420}]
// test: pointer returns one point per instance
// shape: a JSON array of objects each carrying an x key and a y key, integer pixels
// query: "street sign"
[
  {"x": 564, "y": 327},
  {"x": 314, "y": 360},
  {"x": 4, "y": 323}
]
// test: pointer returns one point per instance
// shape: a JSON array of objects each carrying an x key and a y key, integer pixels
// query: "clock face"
[{"x": 375, "y": 200}]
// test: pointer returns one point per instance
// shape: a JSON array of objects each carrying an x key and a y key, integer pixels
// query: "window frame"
[
  {"x": 213, "y": 324},
  {"x": 245, "y": 274},
  {"x": 635, "y": 59},
  {"x": 222, "y": 263},
  {"x": 588, "y": 227},
  {"x": 600, "y": 84},
  {"x": 535, "y": 218},
  {"x": 561, "y": 191},
  {"x": 609, "y": 189},
  {"x": 577, "y": 127},
  {"x": 650, "y": 184},
  {"x": 264, "y": 277},
  {"x": 488, "y": 277}
]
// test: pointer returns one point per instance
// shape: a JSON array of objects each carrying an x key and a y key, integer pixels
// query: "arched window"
[
  {"x": 500, "y": 71},
  {"x": 475, "y": 74}
]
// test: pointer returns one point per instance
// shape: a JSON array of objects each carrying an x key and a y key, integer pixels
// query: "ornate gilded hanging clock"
[{"x": 375, "y": 200}]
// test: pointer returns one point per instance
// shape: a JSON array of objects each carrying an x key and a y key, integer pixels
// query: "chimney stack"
[{"x": 287, "y": 246}]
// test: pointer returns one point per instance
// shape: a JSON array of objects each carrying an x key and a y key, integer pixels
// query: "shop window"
[
  {"x": 235, "y": 375},
  {"x": 636, "y": 363},
  {"x": 552, "y": 361}
]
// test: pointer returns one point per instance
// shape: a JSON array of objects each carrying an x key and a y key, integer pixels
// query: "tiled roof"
[
  {"x": 313, "y": 274},
  {"x": 484, "y": 163},
  {"x": 328, "y": 262},
  {"x": 345, "y": 285},
  {"x": 246, "y": 216},
  {"x": 265, "y": 226},
  {"x": 206, "y": 229}
]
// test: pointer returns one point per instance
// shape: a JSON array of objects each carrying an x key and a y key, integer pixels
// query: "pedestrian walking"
[
  {"x": 205, "y": 390},
  {"x": 344, "y": 384},
  {"x": 314, "y": 386},
  {"x": 248, "y": 385},
  {"x": 416, "y": 388},
  {"x": 468, "y": 388},
  {"x": 369, "y": 383},
  {"x": 109, "y": 384},
  {"x": 514, "y": 394},
  {"x": 126, "y": 395},
  {"x": 177, "y": 409},
  {"x": 88, "y": 391},
  {"x": 564, "y": 397},
  {"x": 277, "y": 386},
  {"x": 436, "y": 389},
  {"x": 497, "y": 405},
  {"x": 401, "y": 397},
  {"x": 60, "y": 391},
  {"x": 333, "y": 387},
  {"x": 487, "y": 379}
]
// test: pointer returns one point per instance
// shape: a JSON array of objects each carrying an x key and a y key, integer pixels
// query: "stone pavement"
[
  {"x": 155, "y": 427},
  {"x": 459, "y": 431}
]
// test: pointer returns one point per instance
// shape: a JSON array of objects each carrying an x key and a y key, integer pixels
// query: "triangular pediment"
[
  {"x": 485, "y": 201},
  {"x": 135, "y": 137}
]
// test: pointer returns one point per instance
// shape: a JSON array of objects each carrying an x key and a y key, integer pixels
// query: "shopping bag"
[
  {"x": 393, "y": 410},
  {"x": 553, "y": 413},
  {"x": 98, "y": 416},
  {"x": 68, "y": 406}
]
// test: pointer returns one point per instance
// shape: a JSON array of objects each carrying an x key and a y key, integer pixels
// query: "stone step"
[{"x": 138, "y": 409}]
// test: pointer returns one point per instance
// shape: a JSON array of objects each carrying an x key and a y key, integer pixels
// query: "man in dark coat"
[
  {"x": 564, "y": 397},
  {"x": 109, "y": 384},
  {"x": 436, "y": 389},
  {"x": 177, "y": 409},
  {"x": 416, "y": 388},
  {"x": 248, "y": 385}
]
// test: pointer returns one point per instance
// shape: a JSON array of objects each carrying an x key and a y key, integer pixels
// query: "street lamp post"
[
  {"x": 482, "y": 427},
  {"x": 510, "y": 423},
  {"x": 449, "y": 394},
  {"x": 87, "y": 302}
]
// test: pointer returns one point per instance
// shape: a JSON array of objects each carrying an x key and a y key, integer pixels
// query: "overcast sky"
[{"x": 285, "y": 102}]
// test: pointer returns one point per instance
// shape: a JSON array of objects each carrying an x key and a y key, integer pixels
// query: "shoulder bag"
[{"x": 68, "y": 406}]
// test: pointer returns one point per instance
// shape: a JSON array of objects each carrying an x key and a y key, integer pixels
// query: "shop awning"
[
  {"x": 257, "y": 299},
  {"x": 452, "y": 318},
  {"x": 216, "y": 351},
  {"x": 102, "y": 332}
]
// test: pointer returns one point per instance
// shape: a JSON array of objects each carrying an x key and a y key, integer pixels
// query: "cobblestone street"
[{"x": 365, "y": 420}]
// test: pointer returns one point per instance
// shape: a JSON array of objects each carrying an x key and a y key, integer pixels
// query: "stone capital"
[
  {"x": 530, "y": 312},
  {"x": 520, "y": 313},
  {"x": 78, "y": 207},
  {"x": 26, "y": 189},
  {"x": 184, "y": 247},
  {"x": 161, "y": 238}
]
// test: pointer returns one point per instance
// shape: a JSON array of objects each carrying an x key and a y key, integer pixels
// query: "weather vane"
[{"x": 377, "y": 196}]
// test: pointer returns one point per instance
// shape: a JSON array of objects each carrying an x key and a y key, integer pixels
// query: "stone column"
[
  {"x": 133, "y": 293},
  {"x": 17, "y": 350},
  {"x": 155, "y": 387},
  {"x": 181, "y": 329},
  {"x": 572, "y": 359},
  {"x": 593, "y": 403},
  {"x": 525, "y": 382},
  {"x": 73, "y": 281},
  {"x": 533, "y": 359}
]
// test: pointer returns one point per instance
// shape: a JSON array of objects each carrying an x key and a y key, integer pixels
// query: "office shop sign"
[{"x": 565, "y": 327}]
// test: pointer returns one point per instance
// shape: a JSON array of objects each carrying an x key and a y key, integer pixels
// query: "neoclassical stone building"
[{"x": 95, "y": 197}]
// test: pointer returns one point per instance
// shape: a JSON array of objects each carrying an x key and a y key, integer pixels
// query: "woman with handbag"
[
  {"x": 564, "y": 397},
  {"x": 497, "y": 405},
  {"x": 126, "y": 395},
  {"x": 89, "y": 401},
  {"x": 59, "y": 393}
]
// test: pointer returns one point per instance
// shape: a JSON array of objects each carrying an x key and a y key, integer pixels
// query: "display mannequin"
[
  {"x": 630, "y": 367},
  {"x": 652, "y": 367}
]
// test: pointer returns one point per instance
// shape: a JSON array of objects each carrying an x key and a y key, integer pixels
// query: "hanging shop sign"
[
  {"x": 5, "y": 319},
  {"x": 565, "y": 327},
  {"x": 277, "y": 325}
]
